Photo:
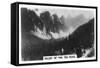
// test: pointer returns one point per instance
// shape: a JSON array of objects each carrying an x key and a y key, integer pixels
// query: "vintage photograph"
[{"x": 53, "y": 33}]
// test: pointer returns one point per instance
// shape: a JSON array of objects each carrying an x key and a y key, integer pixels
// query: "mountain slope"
[{"x": 82, "y": 38}]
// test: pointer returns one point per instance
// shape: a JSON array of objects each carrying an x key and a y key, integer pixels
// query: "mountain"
[
  {"x": 81, "y": 39},
  {"x": 45, "y": 26},
  {"x": 85, "y": 31}
]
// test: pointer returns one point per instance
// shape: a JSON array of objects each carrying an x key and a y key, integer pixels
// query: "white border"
[{"x": 52, "y": 7}]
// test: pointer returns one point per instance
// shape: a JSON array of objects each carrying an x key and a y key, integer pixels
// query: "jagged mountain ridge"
[
  {"x": 46, "y": 22},
  {"x": 47, "y": 26}
]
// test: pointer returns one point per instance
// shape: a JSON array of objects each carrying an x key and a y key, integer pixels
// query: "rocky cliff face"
[{"x": 45, "y": 26}]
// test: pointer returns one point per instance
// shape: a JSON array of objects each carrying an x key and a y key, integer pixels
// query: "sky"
[{"x": 65, "y": 11}]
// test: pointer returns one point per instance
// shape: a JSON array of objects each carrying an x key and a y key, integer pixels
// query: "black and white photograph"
[{"x": 56, "y": 33}]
